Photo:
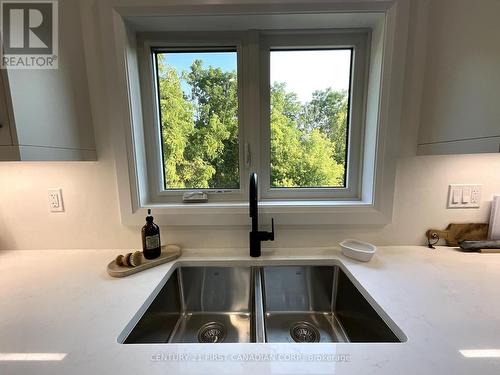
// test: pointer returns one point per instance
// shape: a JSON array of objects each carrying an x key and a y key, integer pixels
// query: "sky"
[
  {"x": 303, "y": 71},
  {"x": 307, "y": 71},
  {"x": 182, "y": 61}
]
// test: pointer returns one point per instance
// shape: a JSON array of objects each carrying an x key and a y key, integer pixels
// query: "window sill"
[
  {"x": 269, "y": 206},
  {"x": 284, "y": 213}
]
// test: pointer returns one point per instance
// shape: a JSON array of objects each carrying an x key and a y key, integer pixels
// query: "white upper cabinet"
[
  {"x": 46, "y": 113},
  {"x": 460, "y": 106}
]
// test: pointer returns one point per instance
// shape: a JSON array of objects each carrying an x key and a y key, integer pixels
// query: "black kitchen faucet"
[{"x": 256, "y": 236}]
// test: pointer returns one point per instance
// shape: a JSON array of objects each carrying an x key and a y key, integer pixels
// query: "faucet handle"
[
  {"x": 266, "y": 236},
  {"x": 271, "y": 237}
]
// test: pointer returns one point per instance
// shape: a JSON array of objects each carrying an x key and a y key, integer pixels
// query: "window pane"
[
  {"x": 198, "y": 98},
  {"x": 309, "y": 117}
]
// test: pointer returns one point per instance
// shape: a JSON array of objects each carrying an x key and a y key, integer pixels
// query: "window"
[
  {"x": 375, "y": 34},
  {"x": 286, "y": 104},
  {"x": 309, "y": 117},
  {"x": 198, "y": 114}
]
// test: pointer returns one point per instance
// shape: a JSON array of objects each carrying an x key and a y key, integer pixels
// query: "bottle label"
[{"x": 152, "y": 242}]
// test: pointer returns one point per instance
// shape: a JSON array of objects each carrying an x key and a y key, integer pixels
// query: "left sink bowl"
[{"x": 200, "y": 305}]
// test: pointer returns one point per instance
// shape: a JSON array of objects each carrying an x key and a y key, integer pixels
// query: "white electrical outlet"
[
  {"x": 464, "y": 196},
  {"x": 55, "y": 200}
]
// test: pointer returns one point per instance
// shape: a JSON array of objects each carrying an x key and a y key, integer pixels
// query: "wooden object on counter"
[
  {"x": 120, "y": 260},
  {"x": 136, "y": 259},
  {"x": 168, "y": 253},
  {"x": 480, "y": 246},
  {"x": 455, "y": 233}
]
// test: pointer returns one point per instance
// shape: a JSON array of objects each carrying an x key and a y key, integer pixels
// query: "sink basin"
[
  {"x": 275, "y": 303},
  {"x": 318, "y": 304},
  {"x": 199, "y": 304}
]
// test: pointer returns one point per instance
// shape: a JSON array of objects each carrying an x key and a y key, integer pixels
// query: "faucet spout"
[{"x": 256, "y": 236}]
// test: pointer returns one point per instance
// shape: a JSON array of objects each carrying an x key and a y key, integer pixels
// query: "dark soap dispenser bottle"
[{"x": 151, "y": 245}]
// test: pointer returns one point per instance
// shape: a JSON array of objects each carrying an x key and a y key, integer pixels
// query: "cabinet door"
[
  {"x": 5, "y": 133},
  {"x": 460, "y": 112}
]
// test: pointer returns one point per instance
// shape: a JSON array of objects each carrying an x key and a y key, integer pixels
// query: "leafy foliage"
[
  {"x": 200, "y": 132},
  {"x": 327, "y": 112},
  {"x": 302, "y": 153}
]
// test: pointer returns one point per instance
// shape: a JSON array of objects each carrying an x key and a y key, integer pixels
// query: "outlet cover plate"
[
  {"x": 464, "y": 195},
  {"x": 55, "y": 200}
]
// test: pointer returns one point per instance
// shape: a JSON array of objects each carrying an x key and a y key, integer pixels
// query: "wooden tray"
[
  {"x": 168, "y": 253},
  {"x": 455, "y": 233}
]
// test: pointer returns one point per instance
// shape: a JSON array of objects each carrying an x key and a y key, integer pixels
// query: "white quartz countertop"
[{"x": 62, "y": 306}]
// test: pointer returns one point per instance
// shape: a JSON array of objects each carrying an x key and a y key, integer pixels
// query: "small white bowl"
[{"x": 362, "y": 251}]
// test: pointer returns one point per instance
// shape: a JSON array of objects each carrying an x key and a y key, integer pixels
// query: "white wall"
[{"x": 92, "y": 218}]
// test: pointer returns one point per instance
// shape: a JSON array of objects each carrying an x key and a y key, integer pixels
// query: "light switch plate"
[
  {"x": 464, "y": 196},
  {"x": 55, "y": 200}
]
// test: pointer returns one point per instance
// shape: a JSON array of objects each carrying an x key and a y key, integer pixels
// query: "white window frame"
[
  {"x": 254, "y": 140},
  {"x": 148, "y": 44}
]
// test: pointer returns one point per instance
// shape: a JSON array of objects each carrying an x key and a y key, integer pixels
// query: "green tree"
[
  {"x": 327, "y": 111},
  {"x": 200, "y": 132},
  {"x": 300, "y": 156},
  {"x": 176, "y": 126},
  {"x": 214, "y": 94},
  {"x": 286, "y": 145}
]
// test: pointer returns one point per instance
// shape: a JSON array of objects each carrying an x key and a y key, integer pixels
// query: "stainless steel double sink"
[{"x": 275, "y": 303}]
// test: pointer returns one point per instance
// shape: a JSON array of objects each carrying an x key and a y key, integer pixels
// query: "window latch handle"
[{"x": 248, "y": 155}]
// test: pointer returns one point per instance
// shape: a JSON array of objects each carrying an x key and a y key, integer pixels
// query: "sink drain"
[
  {"x": 211, "y": 333},
  {"x": 304, "y": 332}
]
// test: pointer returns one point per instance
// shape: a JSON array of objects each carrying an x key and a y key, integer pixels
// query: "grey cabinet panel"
[
  {"x": 49, "y": 109},
  {"x": 460, "y": 110}
]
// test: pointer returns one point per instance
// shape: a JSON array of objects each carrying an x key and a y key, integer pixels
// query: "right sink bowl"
[{"x": 318, "y": 304}]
